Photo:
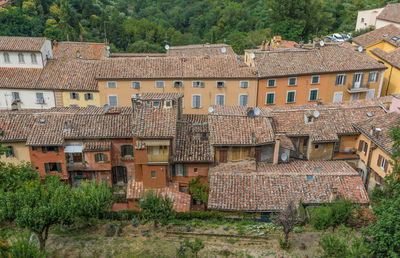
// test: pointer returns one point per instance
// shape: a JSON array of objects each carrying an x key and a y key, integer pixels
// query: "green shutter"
[
  {"x": 96, "y": 157},
  {"x": 46, "y": 167},
  {"x": 58, "y": 167},
  {"x": 130, "y": 150},
  {"x": 173, "y": 172},
  {"x": 44, "y": 149},
  {"x": 122, "y": 150},
  {"x": 184, "y": 170},
  {"x": 56, "y": 149}
]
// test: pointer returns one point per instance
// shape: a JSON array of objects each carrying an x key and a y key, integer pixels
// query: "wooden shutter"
[
  {"x": 46, "y": 167},
  {"x": 379, "y": 160},
  {"x": 86, "y": 96},
  {"x": 184, "y": 170},
  {"x": 337, "y": 80},
  {"x": 96, "y": 157},
  {"x": 123, "y": 151},
  {"x": 386, "y": 166},
  {"x": 130, "y": 150},
  {"x": 354, "y": 80},
  {"x": 360, "y": 144},
  {"x": 173, "y": 172},
  {"x": 58, "y": 167},
  {"x": 56, "y": 149},
  {"x": 370, "y": 76},
  {"x": 44, "y": 149}
]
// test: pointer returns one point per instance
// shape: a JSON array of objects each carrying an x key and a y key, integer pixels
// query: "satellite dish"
[
  {"x": 284, "y": 156},
  {"x": 322, "y": 43},
  {"x": 257, "y": 111},
  {"x": 316, "y": 113},
  {"x": 223, "y": 50},
  {"x": 166, "y": 47},
  {"x": 108, "y": 47},
  {"x": 252, "y": 55},
  {"x": 360, "y": 49},
  {"x": 210, "y": 109},
  {"x": 250, "y": 113},
  {"x": 106, "y": 107}
]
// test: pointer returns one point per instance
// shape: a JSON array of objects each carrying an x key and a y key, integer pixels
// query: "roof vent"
[
  {"x": 385, "y": 35},
  {"x": 42, "y": 120},
  {"x": 310, "y": 178},
  {"x": 250, "y": 112},
  {"x": 369, "y": 114}
]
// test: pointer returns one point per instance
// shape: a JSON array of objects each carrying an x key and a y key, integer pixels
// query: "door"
[
  {"x": 370, "y": 94},
  {"x": 357, "y": 80},
  {"x": 223, "y": 155},
  {"x": 337, "y": 97},
  {"x": 119, "y": 175}
]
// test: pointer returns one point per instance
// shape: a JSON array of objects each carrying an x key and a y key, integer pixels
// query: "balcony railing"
[
  {"x": 161, "y": 158},
  {"x": 352, "y": 89}
]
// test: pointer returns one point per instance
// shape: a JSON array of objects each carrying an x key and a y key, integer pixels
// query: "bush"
[
  {"x": 121, "y": 215},
  {"x": 331, "y": 215},
  {"x": 23, "y": 248},
  {"x": 283, "y": 244},
  {"x": 156, "y": 207}
]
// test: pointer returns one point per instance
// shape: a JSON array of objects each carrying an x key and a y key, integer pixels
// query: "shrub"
[
  {"x": 283, "y": 244},
  {"x": 23, "y": 248},
  {"x": 195, "y": 246},
  {"x": 198, "y": 190},
  {"x": 156, "y": 207}
]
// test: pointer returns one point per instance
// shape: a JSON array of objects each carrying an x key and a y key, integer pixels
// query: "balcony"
[
  {"x": 352, "y": 89},
  {"x": 161, "y": 158}
]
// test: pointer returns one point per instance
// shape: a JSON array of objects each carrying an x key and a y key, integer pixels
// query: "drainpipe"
[
  {"x": 370, "y": 150},
  {"x": 380, "y": 84},
  {"x": 390, "y": 76}
]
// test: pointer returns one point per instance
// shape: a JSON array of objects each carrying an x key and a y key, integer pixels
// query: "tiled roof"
[
  {"x": 190, "y": 145},
  {"x": 174, "y": 67},
  {"x": 328, "y": 59},
  {"x": 385, "y": 123},
  {"x": 140, "y": 145},
  {"x": 160, "y": 96},
  {"x": 271, "y": 187},
  {"x": 28, "y": 44},
  {"x": 392, "y": 57},
  {"x": 201, "y": 50},
  {"x": 390, "y": 13},
  {"x": 19, "y": 78},
  {"x": 15, "y": 126},
  {"x": 240, "y": 130},
  {"x": 385, "y": 33},
  {"x": 119, "y": 55},
  {"x": 87, "y": 51},
  {"x": 181, "y": 201},
  {"x": 69, "y": 74},
  {"x": 96, "y": 145}
]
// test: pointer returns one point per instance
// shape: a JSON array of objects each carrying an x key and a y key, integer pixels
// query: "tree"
[
  {"x": 12, "y": 177},
  {"x": 195, "y": 246},
  {"x": 198, "y": 190},
  {"x": 287, "y": 218},
  {"x": 156, "y": 207}
]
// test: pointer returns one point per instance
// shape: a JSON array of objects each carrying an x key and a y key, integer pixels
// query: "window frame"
[
  {"x": 21, "y": 58},
  {"x": 316, "y": 97},
  {"x": 163, "y": 84},
  {"x": 15, "y": 94},
  {"x": 196, "y": 95},
  {"x": 116, "y": 97},
  {"x": 33, "y": 58},
  {"x": 312, "y": 77},
  {"x": 269, "y": 86},
  {"x": 376, "y": 73},
  {"x": 287, "y": 96},
  {"x": 127, "y": 150},
  {"x": 71, "y": 94},
  {"x": 9, "y": 152},
  {"x": 343, "y": 81},
  {"x": 98, "y": 159},
  {"x": 266, "y": 98},
  {"x": 6, "y": 57},
  {"x": 178, "y": 87},
  {"x": 111, "y": 82},
  {"x": 240, "y": 84},
  {"x": 38, "y": 99},
  {"x": 216, "y": 99},
  {"x": 295, "y": 83},
  {"x": 87, "y": 94},
  {"x": 220, "y": 87},
  {"x": 199, "y": 84},
  {"x": 153, "y": 174},
  {"x": 135, "y": 83},
  {"x": 156, "y": 104},
  {"x": 247, "y": 100}
]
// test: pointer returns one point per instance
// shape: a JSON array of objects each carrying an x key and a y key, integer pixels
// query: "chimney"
[
  {"x": 55, "y": 43},
  {"x": 263, "y": 46},
  {"x": 276, "y": 150},
  {"x": 268, "y": 45}
]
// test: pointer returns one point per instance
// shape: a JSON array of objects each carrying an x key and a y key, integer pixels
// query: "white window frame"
[
  {"x": 241, "y": 82},
  {"x": 108, "y": 85},
  {"x": 354, "y": 98},
  {"x": 287, "y": 94},
  {"x": 168, "y": 101},
  {"x": 38, "y": 99},
  {"x": 216, "y": 97},
  {"x": 193, "y": 102},
  {"x": 21, "y": 58},
  {"x": 341, "y": 100},
  {"x": 6, "y": 57},
  {"x": 74, "y": 94},
  {"x": 109, "y": 102},
  {"x": 343, "y": 82},
  {"x": 295, "y": 83},
  {"x": 156, "y": 104},
  {"x": 163, "y": 84},
  {"x": 271, "y": 80},
  {"x": 319, "y": 77},
  {"x": 383, "y": 163},
  {"x": 266, "y": 98},
  {"x": 179, "y": 169},
  {"x": 376, "y": 73},
  {"x": 309, "y": 95},
  {"x": 15, "y": 93},
  {"x": 181, "y": 82},
  {"x": 33, "y": 58},
  {"x": 223, "y": 84},
  {"x": 240, "y": 95},
  {"x": 134, "y": 83},
  {"x": 368, "y": 92},
  {"x": 198, "y": 84}
]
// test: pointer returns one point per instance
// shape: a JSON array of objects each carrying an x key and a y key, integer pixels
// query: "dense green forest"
[{"x": 147, "y": 25}]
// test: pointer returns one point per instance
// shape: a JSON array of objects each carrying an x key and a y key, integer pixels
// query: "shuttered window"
[
  {"x": 340, "y": 79},
  {"x": 383, "y": 163},
  {"x": 126, "y": 150},
  {"x": 100, "y": 157}
]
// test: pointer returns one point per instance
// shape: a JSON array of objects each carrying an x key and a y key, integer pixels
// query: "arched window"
[
  {"x": 6, "y": 57},
  {"x": 21, "y": 58},
  {"x": 33, "y": 58},
  {"x": 100, "y": 157}
]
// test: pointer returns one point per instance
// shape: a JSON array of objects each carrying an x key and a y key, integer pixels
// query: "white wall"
[
  {"x": 28, "y": 99},
  {"x": 14, "y": 61},
  {"x": 382, "y": 23},
  {"x": 369, "y": 17}
]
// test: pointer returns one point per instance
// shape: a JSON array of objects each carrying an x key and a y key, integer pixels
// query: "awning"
[{"x": 73, "y": 149}]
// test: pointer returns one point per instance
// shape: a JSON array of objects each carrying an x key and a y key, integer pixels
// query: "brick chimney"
[{"x": 276, "y": 150}]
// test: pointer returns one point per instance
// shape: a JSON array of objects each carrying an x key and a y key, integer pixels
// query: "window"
[
  {"x": 156, "y": 104},
  {"x": 21, "y": 58},
  {"x": 52, "y": 167},
  {"x": 196, "y": 101},
  {"x": 9, "y": 151},
  {"x": 179, "y": 169},
  {"x": 136, "y": 85},
  {"x": 313, "y": 94},
  {"x": 363, "y": 147},
  {"x": 362, "y": 19},
  {"x": 113, "y": 100},
  {"x": 315, "y": 79},
  {"x": 310, "y": 178},
  {"x": 15, "y": 96},
  {"x": 243, "y": 100},
  {"x": 39, "y": 97},
  {"x": 318, "y": 147},
  {"x": 100, "y": 157},
  {"x": 6, "y": 57},
  {"x": 271, "y": 83},
  {"x": 178, "y": 84},
  {"x": 355, "y": 96},
  {"x": 292, "y": 81},
  {"x": 159, "y": 84},
  {"x": 74, "y": 95},
  {"x": 197, "y": 84},
  {"x": 373, "y": 76},
  {"x": 244, "y": 84},
  {"x": 270, "y": 99},
  {"x": 370, "y": 94},
  {"x": 337, "y": 97},
  {"x": 112, "y": 84},
  {"x": 49, "y": 149},
  {"x": 126, "y": 150},
  {"x": 291, "y": 97},
  {"x": 88, "y": 96},
  {"x": 153, "y": 174},
  {"x": 167, "y": 103},
  {"x": 382, "y": 163},
  {"x": 220, "y": 84},
  {"x": 33, "y": 58},
  {"x": 195, "y": 170},
  {"x": 340, "y": 79},
  {"x": 220, "y": 100}
]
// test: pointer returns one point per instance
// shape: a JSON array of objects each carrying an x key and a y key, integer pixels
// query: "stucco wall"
[
  {"x": 369, "y": 17},
  {"x": 81, "y": 102},
  {"x": 14, "y": 61},
  {"x": 28, "y": 99},
  {"x": 159, "y": 181},
  {"x": 21, "y": 153},
  {"x": 202, "y": 170},
  {"x": 324, "y": 152},
  {"x": 38, "y": 158}
]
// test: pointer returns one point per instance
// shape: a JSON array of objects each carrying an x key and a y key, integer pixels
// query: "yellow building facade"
[
  {"x": 17, "y": 153},
  {"x": 80, "y": 99},
  {"x": 391, "y": 59}
]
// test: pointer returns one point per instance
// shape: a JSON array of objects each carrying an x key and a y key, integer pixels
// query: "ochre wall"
[
  {"x": 159, "y": 181},
  {"x": 347, "y": 141},
  {"x": 374, "y": 161},
  {"x": 118, "y": 160},
  {"x": 21, "y": 153},
  {"x": 324, "y": 153},
  {"x": 81, "y": 102}
]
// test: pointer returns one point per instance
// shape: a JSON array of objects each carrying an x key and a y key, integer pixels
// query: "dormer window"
[
  {"x": 21, "y": 58},
  {"x": 6, "y": 57},
  {"x": 33, "y": 58}
]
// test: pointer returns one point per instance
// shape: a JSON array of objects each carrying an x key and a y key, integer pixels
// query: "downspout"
[
  {"x": 371, "y": 149},
  {"x": 380, "y": 84},
  {"x": 390, "y": 76}
]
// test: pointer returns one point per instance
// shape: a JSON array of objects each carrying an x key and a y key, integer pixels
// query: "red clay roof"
[
  {"x": 385, "y": 33},
  {"x": 29, "y": 44},
  {"x": 19, "y": 78},
  {"x": 87, "y": 50},
  {"x": 119, "y": 55},
  {"x": 390, "y": 13},
  {"x": 392, "y": 57},
  {"x": 269, "y": 188},
  {"x": 201, "y": 50}
]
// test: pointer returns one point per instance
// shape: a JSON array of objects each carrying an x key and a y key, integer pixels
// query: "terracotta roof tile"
[
  {"x": 96, "y": 145},
  {"x": 392, "y": 57},
  {"x": 160, "y": 96},
  {"x": 28, "y": 44},
  {"x": 201, "y": 50},
  {"x": 121, "y": 55},
  {"x": 87, "y": 50},
  {"x": 375, "y": 36},
  {"x": 328, "y": 59},
  {"x": 271, "y": 187},
  {"x": 19, "y": 78},
  {"x": 390, "y": 13},
  {"x": 15, "y": 127}
]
